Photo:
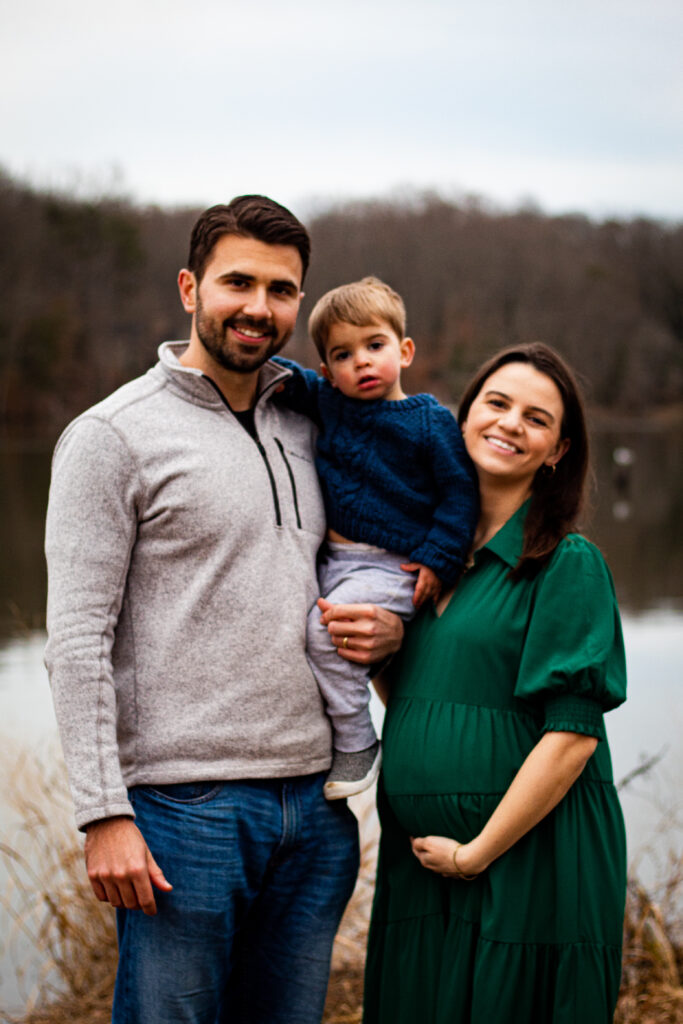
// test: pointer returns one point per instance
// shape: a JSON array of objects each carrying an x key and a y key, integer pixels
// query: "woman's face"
[{"x": 513, "y": 425}]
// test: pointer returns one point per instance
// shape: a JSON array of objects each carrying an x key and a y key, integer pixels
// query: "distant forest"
[{"x": 90, "y": 293}]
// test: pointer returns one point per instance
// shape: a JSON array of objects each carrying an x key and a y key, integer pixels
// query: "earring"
[{"x": 549, "y": 468}]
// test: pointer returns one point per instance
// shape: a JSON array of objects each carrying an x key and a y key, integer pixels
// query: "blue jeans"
[{"x": 261, "y": 872}]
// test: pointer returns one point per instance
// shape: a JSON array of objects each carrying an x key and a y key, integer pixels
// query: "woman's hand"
[
  {"x": 437, "y": 853},
  {"x": 363, "y": 633}
]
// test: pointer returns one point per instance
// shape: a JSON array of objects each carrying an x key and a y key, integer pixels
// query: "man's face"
[{"x": 246, "y": 304}]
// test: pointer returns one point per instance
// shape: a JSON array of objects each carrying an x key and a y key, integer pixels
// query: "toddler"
[{"x": 399, "y": 491}]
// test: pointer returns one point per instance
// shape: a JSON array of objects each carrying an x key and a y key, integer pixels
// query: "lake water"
[{"x": 636, "y": 521}]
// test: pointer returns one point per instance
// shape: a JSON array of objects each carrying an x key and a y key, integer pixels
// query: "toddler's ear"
[
  {"x": 325, "y": 371},
  {"x": 407, "y": 352}
]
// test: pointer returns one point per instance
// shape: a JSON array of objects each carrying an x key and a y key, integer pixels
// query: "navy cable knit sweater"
[{"x": 393, "y": 474}]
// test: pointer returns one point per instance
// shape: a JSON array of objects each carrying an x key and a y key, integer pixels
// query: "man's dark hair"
[{"x": 248, "y": 217}]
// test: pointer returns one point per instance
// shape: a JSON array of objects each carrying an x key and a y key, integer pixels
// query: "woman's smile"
[{"x": 502, "y": 445}]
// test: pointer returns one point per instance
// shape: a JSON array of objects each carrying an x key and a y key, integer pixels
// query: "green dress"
[{"x": 536, "y": 938}]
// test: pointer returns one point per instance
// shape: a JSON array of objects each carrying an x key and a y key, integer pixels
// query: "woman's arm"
[{"x": 547, "y": 774}]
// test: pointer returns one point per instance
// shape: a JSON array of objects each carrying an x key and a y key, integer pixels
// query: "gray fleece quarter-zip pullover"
[{"x": 181, "y": 562}]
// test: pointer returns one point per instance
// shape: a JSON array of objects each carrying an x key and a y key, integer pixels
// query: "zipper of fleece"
[
  {"x": 264, "y": 455},
  {"x": 292, "y": 481}
]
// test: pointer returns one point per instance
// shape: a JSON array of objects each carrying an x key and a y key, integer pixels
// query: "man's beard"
[{"x": 213, "y": 335}]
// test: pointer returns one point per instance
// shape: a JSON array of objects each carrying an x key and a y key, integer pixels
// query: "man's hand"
[
  {"x": 428, "y": 583},
  {"x": 363, "y": 633},
  {"x": 120, "y": 866}
]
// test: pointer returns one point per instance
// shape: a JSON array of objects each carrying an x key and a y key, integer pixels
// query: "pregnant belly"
[
  {"x": 460, "y": 816},
  {"x": 446, "y": 765}
]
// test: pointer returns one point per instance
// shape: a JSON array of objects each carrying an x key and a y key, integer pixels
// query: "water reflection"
[
  {"x": 622, "y": 477},
  {"x": 639, "y": 507}
]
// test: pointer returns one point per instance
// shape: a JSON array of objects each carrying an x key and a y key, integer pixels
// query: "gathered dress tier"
[{"x": 536, "y": 938}]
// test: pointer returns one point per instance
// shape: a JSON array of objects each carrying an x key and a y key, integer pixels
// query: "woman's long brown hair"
[{"x": 556, "y": 497}]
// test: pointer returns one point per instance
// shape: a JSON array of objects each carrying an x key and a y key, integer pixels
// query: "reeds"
[
  {"x": 62, "y": 940},
  {"x": 652, "y": 970}
]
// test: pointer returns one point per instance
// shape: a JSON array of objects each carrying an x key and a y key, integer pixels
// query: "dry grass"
[
  {"x": 652, "y": 975},
  {"x": 62, "y": 941}
]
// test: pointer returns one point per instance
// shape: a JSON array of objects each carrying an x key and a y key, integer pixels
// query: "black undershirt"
[{"x": 246, "y": 418}]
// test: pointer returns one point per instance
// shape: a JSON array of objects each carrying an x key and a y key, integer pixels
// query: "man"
[{"x": 182, "y": 531}]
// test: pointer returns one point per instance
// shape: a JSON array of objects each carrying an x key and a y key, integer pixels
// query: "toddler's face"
[{"x": 366, "y": 362}]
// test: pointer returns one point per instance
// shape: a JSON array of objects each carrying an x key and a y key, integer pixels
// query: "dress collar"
[{"x": 507, "y": 544}]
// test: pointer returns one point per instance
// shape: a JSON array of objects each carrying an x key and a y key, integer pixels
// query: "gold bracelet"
[{"x": 458, "y": 872}]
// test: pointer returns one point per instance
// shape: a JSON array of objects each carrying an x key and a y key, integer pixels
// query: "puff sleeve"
[{"x": 573, "y": 663}]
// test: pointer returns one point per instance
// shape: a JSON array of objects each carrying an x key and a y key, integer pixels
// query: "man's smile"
[{"x": 250, "y": 333}]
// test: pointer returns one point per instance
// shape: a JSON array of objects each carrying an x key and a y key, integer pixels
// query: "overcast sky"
[{"x": 575, "y": 104}]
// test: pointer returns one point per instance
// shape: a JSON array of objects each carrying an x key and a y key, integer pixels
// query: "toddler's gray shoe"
[{"x": 352, "y": 773}]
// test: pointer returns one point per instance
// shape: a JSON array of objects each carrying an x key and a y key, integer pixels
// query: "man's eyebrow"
[
  {"x": 236, "y": 273},
  {"x": 285, "y": 283},
  {"x": 534, "y": 408},
  {"x": 240, "y": 275}
]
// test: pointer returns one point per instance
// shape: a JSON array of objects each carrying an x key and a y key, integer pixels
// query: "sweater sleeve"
[
  {"x": 447, "y": 545},
  {"x": 301, "y": 391},
  {"x": 90, "y": 530}
]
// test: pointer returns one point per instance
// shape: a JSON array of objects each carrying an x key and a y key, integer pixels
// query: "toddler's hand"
[{"x": 428, "y": 584}]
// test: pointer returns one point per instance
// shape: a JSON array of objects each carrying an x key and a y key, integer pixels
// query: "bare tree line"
[{"x": 90, "y": 293}]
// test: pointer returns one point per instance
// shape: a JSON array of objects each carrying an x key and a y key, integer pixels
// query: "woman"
[{"x": 501, "y": 879}]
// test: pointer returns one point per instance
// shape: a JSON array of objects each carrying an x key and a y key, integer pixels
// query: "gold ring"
[{"x": 345, "y": 642}]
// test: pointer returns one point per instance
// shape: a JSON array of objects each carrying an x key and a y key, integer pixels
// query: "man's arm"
[
  {"x": 90, "y": 531},
  {"x": 91, "y": 528}
]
